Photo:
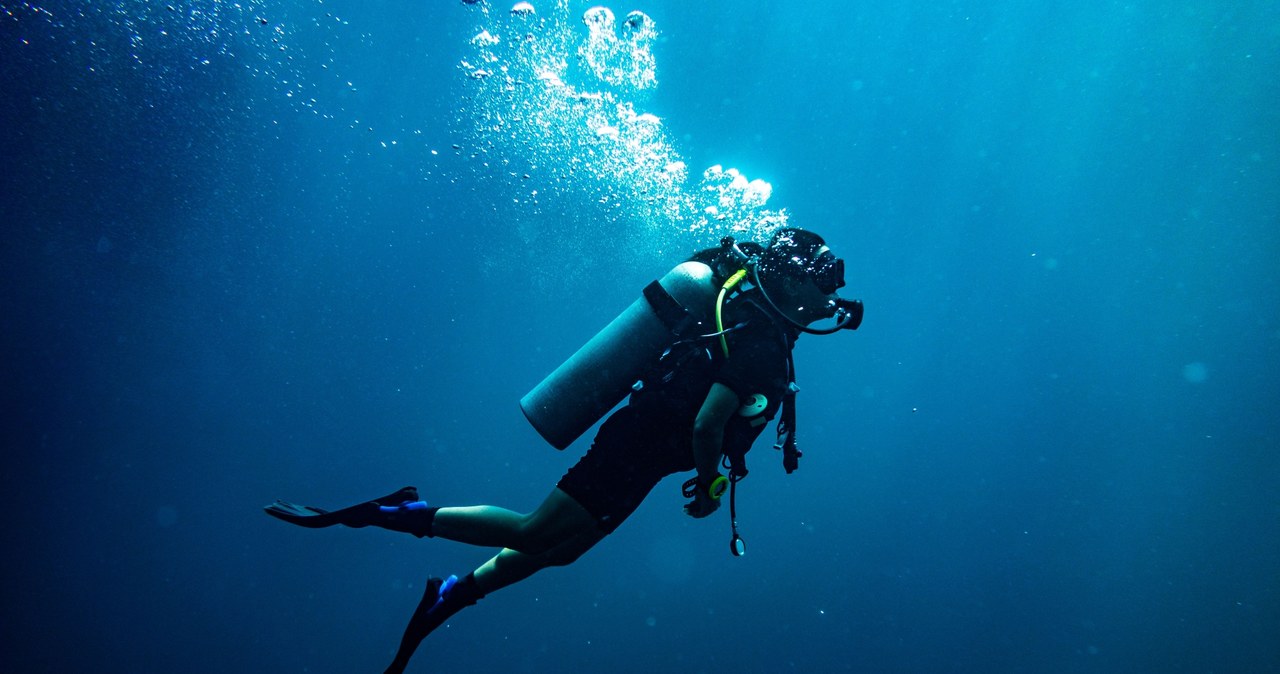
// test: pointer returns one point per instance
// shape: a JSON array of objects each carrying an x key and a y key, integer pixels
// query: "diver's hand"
[{"x": 701, "y": 506}]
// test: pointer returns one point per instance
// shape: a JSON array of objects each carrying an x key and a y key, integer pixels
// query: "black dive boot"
[
  {"x": 401, "y": 511},
  {"x": 441, "y": 600}
]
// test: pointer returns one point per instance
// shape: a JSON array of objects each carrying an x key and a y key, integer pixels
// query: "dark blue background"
[{"x": 216, "y": 294}]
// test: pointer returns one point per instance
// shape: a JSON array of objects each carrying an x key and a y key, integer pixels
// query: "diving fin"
[
  {"x": 359, "y": 515},
  {"x": 440, "y": 601}
]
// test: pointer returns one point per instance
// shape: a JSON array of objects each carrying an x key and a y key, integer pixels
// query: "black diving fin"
[
  {"x": 359, "y": 515},
  {"x": 440, "y": 601}
]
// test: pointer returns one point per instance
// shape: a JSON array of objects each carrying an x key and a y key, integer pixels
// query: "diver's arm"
[
  {"x": 708, "y": 430},
  {"x": 708, "y": 442}
]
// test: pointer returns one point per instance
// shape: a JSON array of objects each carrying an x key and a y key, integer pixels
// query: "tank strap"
[
  {"x": 668, "y": 310},
  {"x": 787, "y": 422}
]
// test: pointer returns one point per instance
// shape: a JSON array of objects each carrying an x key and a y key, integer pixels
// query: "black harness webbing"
[
  {"x": 787, "y": 422},
  {"x": 668, "y": 310}
]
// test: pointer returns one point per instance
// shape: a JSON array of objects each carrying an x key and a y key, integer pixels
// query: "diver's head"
[{"x": 801, "y": 275}]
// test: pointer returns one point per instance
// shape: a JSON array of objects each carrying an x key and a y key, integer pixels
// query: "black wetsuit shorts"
[{"x": 627, "y": 459}]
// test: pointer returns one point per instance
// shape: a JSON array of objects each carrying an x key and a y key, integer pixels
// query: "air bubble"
[
  {"x": 598, "y": 18},
  {"x": 568, "y": 98}
]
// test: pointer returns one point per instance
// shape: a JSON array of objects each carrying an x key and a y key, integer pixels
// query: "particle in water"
[{"x": 522, "y": 9}]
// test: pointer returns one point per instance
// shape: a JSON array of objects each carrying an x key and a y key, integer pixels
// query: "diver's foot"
[
  {"x": 440, "y": 601},
  {"x": 411, "y": 517}
]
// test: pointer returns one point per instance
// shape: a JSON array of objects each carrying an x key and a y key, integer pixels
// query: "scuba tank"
[{"x": 599, "y": 375}]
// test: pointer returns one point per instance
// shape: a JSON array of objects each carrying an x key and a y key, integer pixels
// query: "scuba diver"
[{"x": 705, "y": 356}]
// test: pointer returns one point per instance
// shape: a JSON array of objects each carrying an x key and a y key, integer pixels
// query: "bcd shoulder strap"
[{"x": 787, "y": 419}]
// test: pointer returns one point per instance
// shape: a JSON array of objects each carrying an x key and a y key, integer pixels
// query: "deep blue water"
[{"x": 266, "y": 251}]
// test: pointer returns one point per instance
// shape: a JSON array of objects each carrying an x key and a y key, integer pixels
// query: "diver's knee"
[
  {"x": 539, "y": 537},
  {"x": 534, "y": 537}
]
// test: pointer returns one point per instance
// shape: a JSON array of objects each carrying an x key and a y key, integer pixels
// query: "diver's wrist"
[{"x": 712, "y": 486}]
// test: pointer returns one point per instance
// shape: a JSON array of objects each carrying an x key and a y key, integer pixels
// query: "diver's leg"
[
  {"x": 558, "y": 519},
  {"x": 511, "y": 566},
  {"x": 444, "y": 598}
]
